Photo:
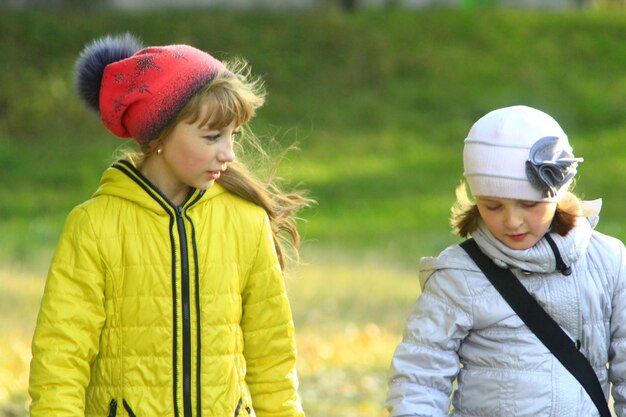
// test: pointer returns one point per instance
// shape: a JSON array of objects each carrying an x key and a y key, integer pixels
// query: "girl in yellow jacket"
[{"x": 165, "y": 297}]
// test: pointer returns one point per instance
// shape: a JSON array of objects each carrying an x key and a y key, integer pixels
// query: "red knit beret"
[{"x": 138, "y": 91}]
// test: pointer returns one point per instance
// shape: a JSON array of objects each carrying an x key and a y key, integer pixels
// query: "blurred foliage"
[
  {"x": 609, "y": 4},
  {"x": 20, "y": 294},
  {"x": 379, "y": 101},
  {"x": 346, "y": 333}
]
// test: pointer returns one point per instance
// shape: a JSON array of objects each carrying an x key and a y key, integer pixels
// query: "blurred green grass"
[{"x": 379, "y": 102}]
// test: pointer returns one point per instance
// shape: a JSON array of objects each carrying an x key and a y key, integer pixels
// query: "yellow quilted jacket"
[{"x": 152, "y": 310}]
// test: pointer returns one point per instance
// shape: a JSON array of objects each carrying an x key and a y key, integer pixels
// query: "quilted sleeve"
[
  {"x": 617, "y": 350},
  {"x": 269, "y": 340},
  {"x": 70, "y": 319},
  {"x": 426, "y": 362}
]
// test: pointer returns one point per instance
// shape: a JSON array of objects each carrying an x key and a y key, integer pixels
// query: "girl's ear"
[{"x": 154, "y": 147}]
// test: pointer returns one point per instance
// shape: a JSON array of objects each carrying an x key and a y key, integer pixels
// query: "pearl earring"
[{"x": 159, "y": 151}]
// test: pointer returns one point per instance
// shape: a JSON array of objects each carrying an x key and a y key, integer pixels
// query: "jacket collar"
[{"x": 122, "y": 179}]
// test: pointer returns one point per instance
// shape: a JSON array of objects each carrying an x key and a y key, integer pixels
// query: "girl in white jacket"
[{"x": 519, "y": 167}]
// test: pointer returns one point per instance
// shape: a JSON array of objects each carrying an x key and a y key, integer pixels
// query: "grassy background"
[{"x": 379, "y": 102}]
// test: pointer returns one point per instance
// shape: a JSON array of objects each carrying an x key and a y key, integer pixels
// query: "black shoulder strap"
[{"x": 541, "y": 324}]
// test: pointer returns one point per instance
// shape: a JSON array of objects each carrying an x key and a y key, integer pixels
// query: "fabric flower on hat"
[{"x": 549, "y": 168}]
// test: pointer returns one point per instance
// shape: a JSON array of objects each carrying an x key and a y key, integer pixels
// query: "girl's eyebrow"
[
  {"x": 208, "y": 128},
  {"x": 487, "y": 200}
]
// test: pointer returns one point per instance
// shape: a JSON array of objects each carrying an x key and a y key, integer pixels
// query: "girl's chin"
[{"x": 520, "y": 244}]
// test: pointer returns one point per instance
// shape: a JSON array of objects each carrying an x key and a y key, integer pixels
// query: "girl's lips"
[
  {"x": 518, "y": 237},
  {"x": 215, "y": 174}
]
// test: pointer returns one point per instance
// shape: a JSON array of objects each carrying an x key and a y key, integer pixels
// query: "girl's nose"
[
  {"x": 227, "y": 153},
  {"x": 512, "y": 219}
]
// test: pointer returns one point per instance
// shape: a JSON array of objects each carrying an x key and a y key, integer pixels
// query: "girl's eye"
[
  {"x": 489, "y": 205},
  {"x": 212, "y": 138},
  {"x": 236, "y": 133},
  {"x": 529, "y": 204}
]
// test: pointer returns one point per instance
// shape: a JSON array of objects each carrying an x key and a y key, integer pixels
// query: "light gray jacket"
[{"x": 461, "y": 328}]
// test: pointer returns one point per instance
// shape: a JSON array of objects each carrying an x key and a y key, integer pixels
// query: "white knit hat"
[{"x": 520, "y": 153}]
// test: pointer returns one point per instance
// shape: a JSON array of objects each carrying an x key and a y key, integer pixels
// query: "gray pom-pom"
[{"x": 89, "y": 67}]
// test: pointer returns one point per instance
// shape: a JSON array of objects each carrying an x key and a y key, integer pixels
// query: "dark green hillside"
[{"x": 379, "y": 101}]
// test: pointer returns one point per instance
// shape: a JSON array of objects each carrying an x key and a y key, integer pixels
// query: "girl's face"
[
  {"x": 192, "y": 156},
  {"x": 519, "y": 224}
]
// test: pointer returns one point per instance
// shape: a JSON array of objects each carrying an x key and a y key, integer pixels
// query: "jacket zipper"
[
  {"x": 186, "y": 312},
  {"x": 131, "y": 171}
]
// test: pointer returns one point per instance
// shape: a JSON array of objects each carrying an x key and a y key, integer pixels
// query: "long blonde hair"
[
  {"x": 464, "y": 213},
  {"x": 234, "y": 96}
]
